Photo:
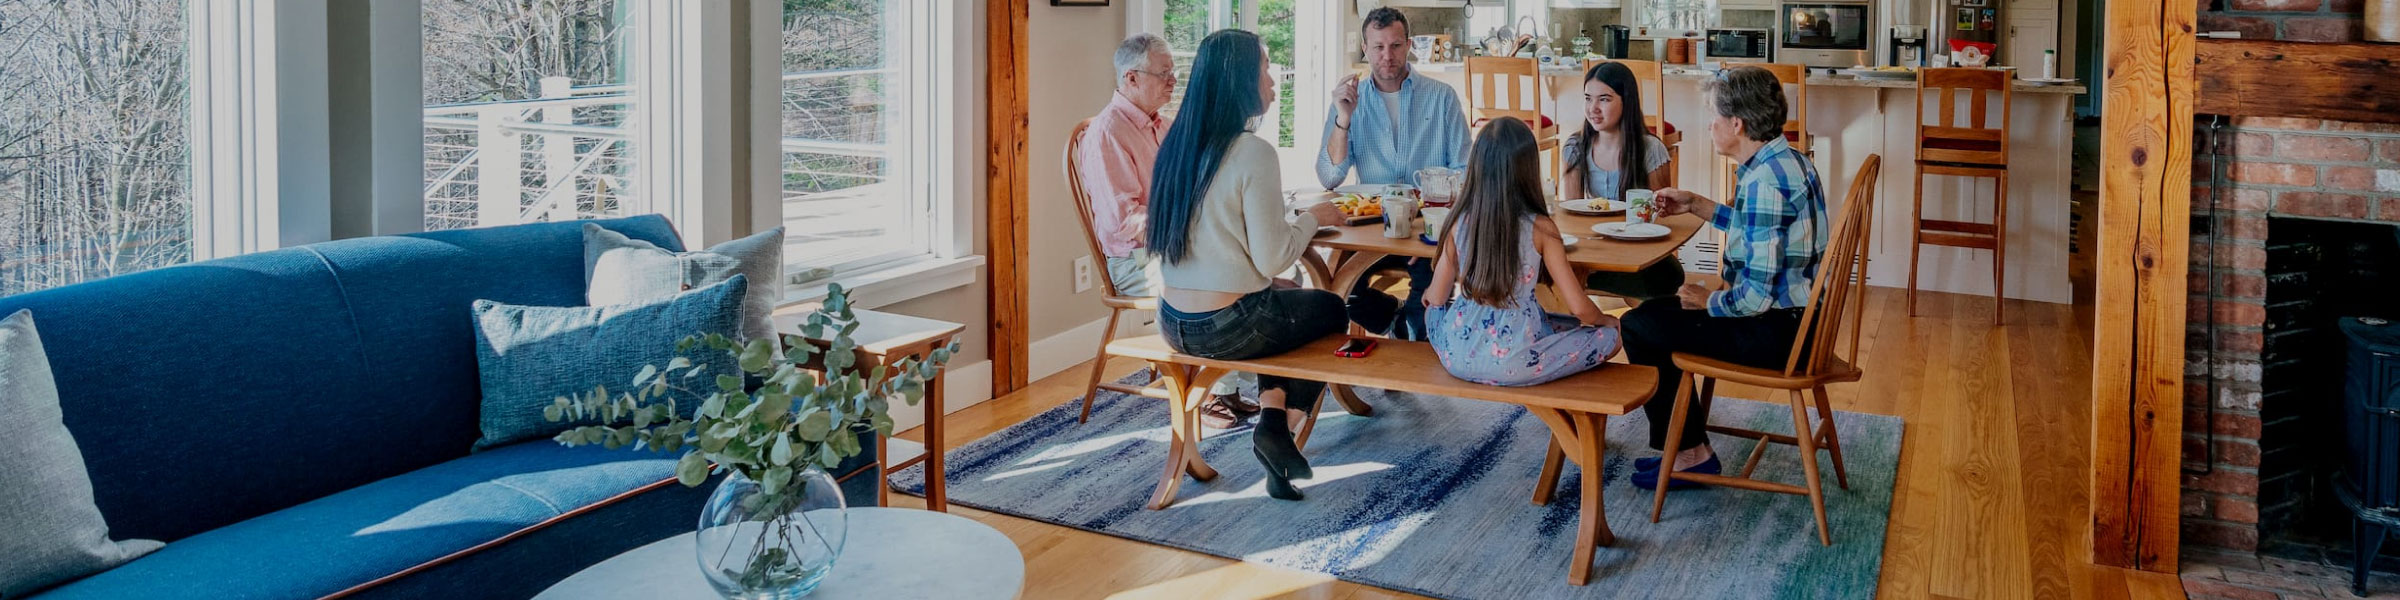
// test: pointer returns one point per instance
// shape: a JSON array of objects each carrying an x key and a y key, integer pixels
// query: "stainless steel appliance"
[
  {"x": 1827, "y": 33},
  {"x": 1741, "y": 44},
  {"x": 1968, "y": 20}
]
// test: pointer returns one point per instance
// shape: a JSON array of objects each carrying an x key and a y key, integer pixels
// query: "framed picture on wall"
[
  {"x": 1079, "y": 2},
  {"x": 1966, "y": 19}
]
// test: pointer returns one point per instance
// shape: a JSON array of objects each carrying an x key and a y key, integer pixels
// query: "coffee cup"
[
  {"x": 1641, "y": 206},
  {"x": 1399, "y": 217},
  {"x": 1434, "y": 218}
]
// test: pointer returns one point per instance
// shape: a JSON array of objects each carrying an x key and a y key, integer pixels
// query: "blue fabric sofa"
[{"x": 296, "y": 424}]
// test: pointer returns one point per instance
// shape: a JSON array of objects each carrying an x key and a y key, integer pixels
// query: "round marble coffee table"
[{"x": 891, "y": 553}]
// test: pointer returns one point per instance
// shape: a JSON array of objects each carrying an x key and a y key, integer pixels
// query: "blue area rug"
[{"x": 1432, "y": 496}]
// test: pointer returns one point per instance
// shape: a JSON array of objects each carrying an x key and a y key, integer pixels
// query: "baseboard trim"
[{"x": 962, "y": 386}]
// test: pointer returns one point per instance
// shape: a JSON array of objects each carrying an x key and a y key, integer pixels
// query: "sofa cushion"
[
  {"x": 212, "y": 392},
  {"x": 622, "y": 270},
  {"x": 413, "y": 297},
  {"x": 383, "y": 528},
  {"x": 530, "y": 356},
  {"x": 49, "y": 529}
]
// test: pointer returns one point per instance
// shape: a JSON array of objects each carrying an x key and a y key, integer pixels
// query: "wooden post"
[
  {"x": 2145, "y": 229},
  {"x": 1006, "y": 174}
]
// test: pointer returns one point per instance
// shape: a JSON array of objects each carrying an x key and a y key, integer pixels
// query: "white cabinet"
[
  {"x": 1746, "y": 4},
  {"x": 1587, "y": 3},
  {"x": 2028, "y": 37}
]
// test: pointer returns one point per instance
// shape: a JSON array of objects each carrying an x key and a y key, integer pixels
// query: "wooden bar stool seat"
[{"x": 1970, "y": 148}]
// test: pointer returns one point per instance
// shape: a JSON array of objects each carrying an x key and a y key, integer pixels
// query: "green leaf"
[
  {"x": 713, "y": 407},
  {"x": 679, "y": 363},
  {"x": 691, "y": 470},
  {"x": 814, "y": 425},
  {"x": 756, "y": 355},
  {"x": 729, "y": 383},
  {"x": 776, "y": 478},
  {"x": 827, "y": 457},
  {"x": 782, "y": 454},
  {"x": 648, "y": 371},
  {"x": 552, "y": 413}
]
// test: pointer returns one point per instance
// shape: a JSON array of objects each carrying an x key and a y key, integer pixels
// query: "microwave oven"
[
  {"x": 1749, "y": 45},
  {"x": 1826, "y": 33}
]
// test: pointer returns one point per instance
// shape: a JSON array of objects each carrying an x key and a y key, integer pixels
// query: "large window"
[
  {"x": 854, "y": 193},
  {"x": 93, "y": 144},
  {"x": 1189, "y": 21},
  {"x": 526, "y": 105}
]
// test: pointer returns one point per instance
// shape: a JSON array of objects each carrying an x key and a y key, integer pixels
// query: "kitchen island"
[{"x": 1853, "y": 118}]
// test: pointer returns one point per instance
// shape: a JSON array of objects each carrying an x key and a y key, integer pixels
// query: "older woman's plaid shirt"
[{"x": 1775, "y": 233}]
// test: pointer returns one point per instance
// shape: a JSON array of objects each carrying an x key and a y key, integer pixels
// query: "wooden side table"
[{"x": 885, "y": 338}]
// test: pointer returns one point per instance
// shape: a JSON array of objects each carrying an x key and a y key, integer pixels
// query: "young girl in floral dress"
[{"x": 1498, "y": 243}]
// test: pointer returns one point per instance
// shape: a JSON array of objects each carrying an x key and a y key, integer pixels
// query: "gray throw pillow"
[
  {"x": 528, "y": 356},
  {"x": 623, "y": 270},
  {"x": 50, "y": 530}
]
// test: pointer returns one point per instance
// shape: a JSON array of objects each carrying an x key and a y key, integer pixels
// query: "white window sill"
[{"x": 892, "y": 283}]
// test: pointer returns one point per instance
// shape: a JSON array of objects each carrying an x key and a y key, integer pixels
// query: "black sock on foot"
[{"x": 1274, "y": 420}]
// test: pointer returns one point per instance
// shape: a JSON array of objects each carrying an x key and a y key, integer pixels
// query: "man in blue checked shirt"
[
  {"x": 1409, "y": 122},
  {"x": 1775, "y": 233}
]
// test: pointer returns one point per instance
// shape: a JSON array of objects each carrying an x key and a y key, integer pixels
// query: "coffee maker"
[
  {"x": 1615, "y": 41},
  {"x": 1908, "y": 46}
]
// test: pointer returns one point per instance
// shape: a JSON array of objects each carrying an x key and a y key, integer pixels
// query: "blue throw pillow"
[{"x": 527, "y": 356}]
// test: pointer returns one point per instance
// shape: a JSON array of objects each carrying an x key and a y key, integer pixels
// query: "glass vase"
[{"x": 757, "y": 545}]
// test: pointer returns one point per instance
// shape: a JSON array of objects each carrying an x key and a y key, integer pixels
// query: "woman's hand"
[
  {"x": 1325, "y": 213},
  {"x": 1675, "y": 201},
  {"x": 1694, "y": 296}
]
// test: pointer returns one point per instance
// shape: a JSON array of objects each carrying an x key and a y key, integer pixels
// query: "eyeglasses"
[{"x": 1169, "y": 75}]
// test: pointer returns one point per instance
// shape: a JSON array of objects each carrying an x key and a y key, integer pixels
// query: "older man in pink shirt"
[{"x": 1116, "y": 156}]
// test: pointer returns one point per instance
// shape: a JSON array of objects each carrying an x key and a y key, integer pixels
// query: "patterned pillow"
[{"x": 527, "y": 356}]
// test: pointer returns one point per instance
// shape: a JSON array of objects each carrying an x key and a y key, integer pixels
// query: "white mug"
[
  {"x": 1640, "y": 206},
  {"x": 1399, "y": 217},
  {"x": 1434, "y": 218}
]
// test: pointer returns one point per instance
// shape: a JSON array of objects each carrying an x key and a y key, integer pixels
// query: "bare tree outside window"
[
  {"x": 840, "y": 83},
  {"x": 525, "y": 111},
  {"x": 94, "y": 150}
]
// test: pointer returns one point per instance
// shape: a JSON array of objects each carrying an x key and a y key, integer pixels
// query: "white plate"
[
  {"x": 1593, "y": 206},
  {"x": 1631, "y": 231},
  {"x": 1371, "y": 189}
]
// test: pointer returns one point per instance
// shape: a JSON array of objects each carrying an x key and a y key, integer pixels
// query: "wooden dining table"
[{"x": 1350, "y": 252}]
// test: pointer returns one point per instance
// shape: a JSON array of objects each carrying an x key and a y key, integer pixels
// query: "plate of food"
[
  {"x": 1593, "y": 207},
  {"x": 1359, "y": 210},
  {"x": 1377, "y": 189},
  {"x": 1631, "y": 231}
]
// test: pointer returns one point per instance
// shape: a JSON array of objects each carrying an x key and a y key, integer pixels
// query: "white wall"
[{"x": 1069, "y": 51}]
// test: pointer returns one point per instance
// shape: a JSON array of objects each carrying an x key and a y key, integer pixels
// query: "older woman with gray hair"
[{"x": 1775, "y": 234}]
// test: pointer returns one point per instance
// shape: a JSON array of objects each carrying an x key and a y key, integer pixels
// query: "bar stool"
[
  {"x": 1969, "y": 149},
  {"x": 1489, "y": 76}
]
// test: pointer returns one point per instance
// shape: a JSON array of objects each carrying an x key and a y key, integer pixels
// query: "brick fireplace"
[{"x": 2304, "y": 219}]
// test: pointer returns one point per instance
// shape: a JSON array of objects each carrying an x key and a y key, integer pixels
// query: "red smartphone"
[{"x": 1355, "y": 348}]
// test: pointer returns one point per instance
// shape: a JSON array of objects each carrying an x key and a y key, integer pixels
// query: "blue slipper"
[
  {"x": 1645, "y": 464},
  {"x": 1648, "y": 480}
]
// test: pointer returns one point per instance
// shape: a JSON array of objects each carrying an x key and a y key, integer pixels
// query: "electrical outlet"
[{"x": 1083, "y": 274}]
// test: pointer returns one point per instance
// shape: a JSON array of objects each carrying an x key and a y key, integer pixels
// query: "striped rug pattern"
[{"x": 1432, "y": 495}]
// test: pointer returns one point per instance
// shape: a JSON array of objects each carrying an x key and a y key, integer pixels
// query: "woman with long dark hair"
[
  {"x": 1221, "y": 231},
  {"x": 1499, "y": 241},
  {"x": 1615, "y": 152}
]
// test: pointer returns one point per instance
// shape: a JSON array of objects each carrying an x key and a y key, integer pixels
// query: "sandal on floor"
[
  {"x": 1215, "y": 415},
  {"x": 1240, "y": 405}
]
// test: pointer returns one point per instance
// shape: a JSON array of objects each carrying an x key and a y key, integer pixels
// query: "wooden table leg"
[
  {"x": 883, "y": 478},
  {"x": 1544, "y": 484},
  {"x": 1196, "y": 398},
  {"x": 937, "y": 485}
]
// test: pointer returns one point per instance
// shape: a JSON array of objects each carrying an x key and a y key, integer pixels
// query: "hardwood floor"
[{"x": 1988, "y": 502}]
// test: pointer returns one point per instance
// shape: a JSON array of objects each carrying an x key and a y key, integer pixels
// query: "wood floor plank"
[{"x": 1987, "y": 504}]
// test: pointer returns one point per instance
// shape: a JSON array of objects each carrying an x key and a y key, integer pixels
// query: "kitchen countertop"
[{"x": 1689, "y": 74}]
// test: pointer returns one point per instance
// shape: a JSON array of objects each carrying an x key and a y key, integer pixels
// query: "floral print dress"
[{"x": 1518, "y": 344}]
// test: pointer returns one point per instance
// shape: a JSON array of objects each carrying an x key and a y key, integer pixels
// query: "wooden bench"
[{"x": 1576, "y": 409}]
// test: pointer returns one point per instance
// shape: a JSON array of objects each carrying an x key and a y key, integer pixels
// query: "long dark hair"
[
  {"x": 1633, "y": 155},
  {"x": 1503, "y": 188},
  {"x": 1217, "y": 108}
]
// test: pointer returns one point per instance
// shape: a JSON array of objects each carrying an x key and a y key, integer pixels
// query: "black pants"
[
  {"x": 1401, "y": 319},
  {"x": 1655, "y": 331},
  {"x": 1263, "y": 323},
  {"x": 1658, "y": 281}
]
